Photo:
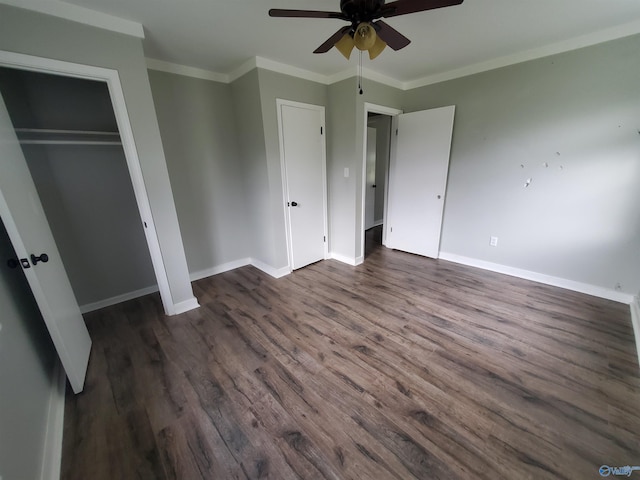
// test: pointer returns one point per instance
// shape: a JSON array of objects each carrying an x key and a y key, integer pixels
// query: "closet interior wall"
[{"x": 83, "y": 183}]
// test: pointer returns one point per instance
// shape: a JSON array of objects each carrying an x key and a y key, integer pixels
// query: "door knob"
[
  {"x": 44, "y": 258},
  {"x": 438, "y": 197},
  {"x": 294, "y": 204},
  {"x": 373, "y": 186}
]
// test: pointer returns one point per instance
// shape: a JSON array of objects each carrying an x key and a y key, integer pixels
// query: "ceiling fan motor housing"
[{"x": 360, "y": 10}]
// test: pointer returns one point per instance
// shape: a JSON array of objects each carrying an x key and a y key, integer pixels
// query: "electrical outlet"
[{"x": 493, "y": 241}]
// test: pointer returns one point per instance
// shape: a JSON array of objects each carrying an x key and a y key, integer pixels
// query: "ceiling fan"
[{"x": 366, "y": 31}]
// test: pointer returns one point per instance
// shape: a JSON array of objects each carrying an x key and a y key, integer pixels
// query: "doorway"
[
  {"x": 112, "y": 80},
  {"x": 379, "y": 122},
  {"x": 70, "y": 141}
]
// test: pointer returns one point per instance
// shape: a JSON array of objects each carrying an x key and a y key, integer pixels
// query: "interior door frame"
[
  {"x": 285, "y": 184},
  {"x": 112, "y": 79},
  {"x": 391, "y": 112}
]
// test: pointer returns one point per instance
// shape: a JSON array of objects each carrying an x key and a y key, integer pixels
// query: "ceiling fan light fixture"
[
  {"x": 345, "y": 45},
  {"x": 365, "y": 36},
  {"x": 377, "y": 48}
]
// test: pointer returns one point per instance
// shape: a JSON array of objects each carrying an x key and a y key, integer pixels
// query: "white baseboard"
[
  {"x": 635, "y": 321},
  {"x": 185, "y": 306},
  {"x": 107, "y": 302},
  {"x": 225, "y": 267},
  {"x": 344, "y": 259},
  {"x": 52, "y": 454},
  {"x": 269, "y": 270},
  {"x": 541, "y": 278}
]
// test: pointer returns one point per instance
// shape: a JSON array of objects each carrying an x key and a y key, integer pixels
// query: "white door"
[
  {"x": 303, "y": 157},
  {"x": 418, "y": 179},
  {"x": 29, "y": 232},
  {"x": 370, "y": 183}
]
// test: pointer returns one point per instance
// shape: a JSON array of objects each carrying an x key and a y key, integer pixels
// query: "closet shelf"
[{"x": 48, "y": 136}]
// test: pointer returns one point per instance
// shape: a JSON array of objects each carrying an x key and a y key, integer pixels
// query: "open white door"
[
  {"x": 303, "y": 159},
  {"x": 418, "y": 180},
  {"x": 28, "y": 229}
]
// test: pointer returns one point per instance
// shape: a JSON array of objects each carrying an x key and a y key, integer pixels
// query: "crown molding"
[
  {"x": 576, "y": 43},
  {"x": 595, "y": 38},
  {"x": 79, "y": 14},
  {"x": 279, "y": 67},
  {"x": 271, "y": 65},
  {"x": 243, "y": 69},
  {"x": 162, "y": 66}
]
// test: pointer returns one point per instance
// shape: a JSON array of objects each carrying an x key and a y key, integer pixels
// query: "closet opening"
[{"x": 71, "y": 140}]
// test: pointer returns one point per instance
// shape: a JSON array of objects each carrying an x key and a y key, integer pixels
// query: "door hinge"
[
  {"x": 396, "y": 132},
  {"x": 391, "y": 230},
  {"x": 320, "y": 130},
  {"x": 325, "y": 239}
]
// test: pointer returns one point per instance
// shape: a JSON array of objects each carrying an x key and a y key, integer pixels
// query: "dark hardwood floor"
[{"x": 400, "y": 368}]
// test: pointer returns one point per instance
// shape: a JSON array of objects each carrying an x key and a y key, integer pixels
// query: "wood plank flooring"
[{"x": 401, "y": 368}]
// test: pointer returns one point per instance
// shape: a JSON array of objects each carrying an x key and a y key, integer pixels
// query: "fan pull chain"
[{"x": 360, "y": 72}]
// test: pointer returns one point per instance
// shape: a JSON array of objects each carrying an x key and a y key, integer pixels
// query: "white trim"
[
  {"x": 185, "y": 306},
  {"x": 54, "y": 131},
  {"x": 107, "y": 302},
  {"x": 225, "y": 267},
  {"x": 285, "y": 69},
  {"x": 112, "y": 79},
  {"x": 68, "y": 142},
  {"x": 243, "y": 69},
  {"x": 52, "y": 451},
  {"x": 540, "y": 278},
  {"x": 285, "y": 183},
  {"x": 344, "y": 259},
  {"x": 635, "y": 321},
  {"x": 582, "y": 41},
  {"x": 392, "y": 112},
  {"x": 79, "y": 14},
  {"x": 269, "y": 270},
  {"x": 162, "y": 66}
]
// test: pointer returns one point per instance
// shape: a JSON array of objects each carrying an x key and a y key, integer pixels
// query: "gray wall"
[
  {"x": 200, "y": 139},
  {"x": 341, "y": 154},
  {"x": 41, "y": 35},
  {"x": 248, "y": 117},
  {"x": 570, "y": 122},
  {"x": 85, "y": 190},
  {"x": 26, "y": 363}
]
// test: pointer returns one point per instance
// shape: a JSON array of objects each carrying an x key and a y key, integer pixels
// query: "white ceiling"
[{"x": 221, "y": 35}]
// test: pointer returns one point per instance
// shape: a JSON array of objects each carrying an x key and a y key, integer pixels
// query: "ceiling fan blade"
[
  {"x": 277, "y": 12},
  {"x": 332, "y": 40},
  {"x": 391, "y": 36},
  {"x": 403, "y": 7}
]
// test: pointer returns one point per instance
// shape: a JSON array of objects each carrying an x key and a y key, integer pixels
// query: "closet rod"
[
  {"x": 68, "y": 142},
  {"x": 64, "y": 132}
]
